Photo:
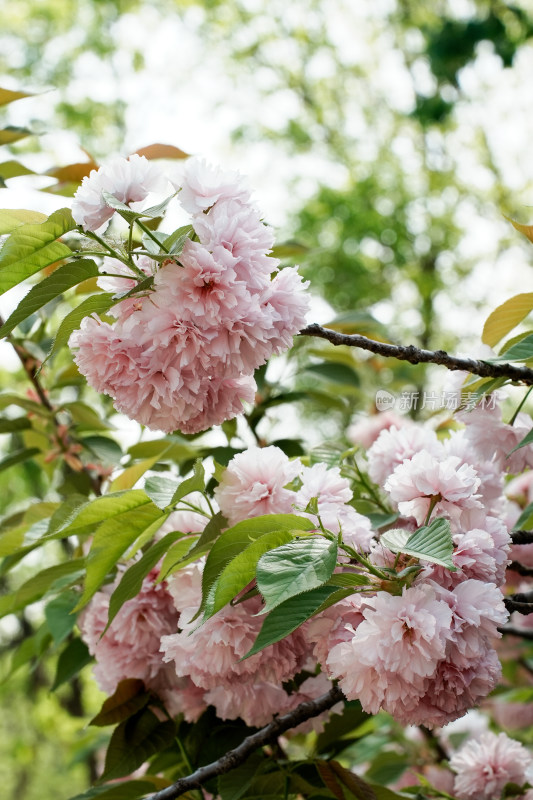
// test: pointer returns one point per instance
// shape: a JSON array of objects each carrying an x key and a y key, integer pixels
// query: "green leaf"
[
  {"x": 128, "y": 214},
  {"x": 335, "y": 373},
  {"x": 134, "y": 741},
  {"x": 129, "y": 697},
  {"x": 387, "y": 767},
  {"x": 196, "y": 483},
  {"x": 18, "y": 457},
  {"x": 175, "y": 241},
  {"x": 521, "y": 351},
  {"x": 506, "y": 317},
  {"x": 31, "y": 649},
  {"x": 431, "y": 543},
  {"x": 16, "y": 424},
  {"x": 34, "y": 588},
  {"x": 74, "y": 657},
  {"x": 295, "y": 568},
  {"x": 125, "y": 790},
  {"x": 175, "y": 555},
  {"x": 31, "y": 247},
  {"x": 357, "y": 786},
  {"x": 235, "y": 539},
  {"x": 160, "y": 490},
  {"x": 528, "y": 439},
  {"x": 288, "y": 616},
  {"x": 234, "y": 784},
  {"x": 11, "y": 218},
  {"x": 210, "y": 533},
  {"x": 110, "y": 542},
  {"x": 347, "y": 579},
  {"x": 74, "y": 516},
  {"x": 103, "y": 448},
  {"x": 132, "y": 579},
  {"x": 59, "y": 281},
  {"x": 85, "y": 418},
  {"x": 14, "y": 169},
  {"x": 9, "y": 96},
  {"x": 58, "y": 615},
  {"x": 95, "y": 304},
  {"x": 241, "y": 570},
  {"x": 11, "y": 134},
  {"x": 525, "y": 520},
  {"x": 8, "y": 399}
]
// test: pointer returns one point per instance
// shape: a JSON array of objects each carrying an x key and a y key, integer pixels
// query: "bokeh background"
[{"x": 386, "y": 140}]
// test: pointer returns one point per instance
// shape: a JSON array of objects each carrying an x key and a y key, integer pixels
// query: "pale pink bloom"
[
  {"x": 417, "y": 481},
  {"x": 204, "y": 184},
  {"x": 366, "y": 430},
  {"x": 253, "y": 484},
  {"x": 221, "y": 399},
  {"x": 515, "y": 716},
  {"x": 130, "y": 646},
  {"x": 128, "y": 179},
  {"x": 111, "y": 283},
  {"x": 485, "y": 766},
  {"x": 476, "y": 555},
  {"x": 223, "y": 640},
  {"x": 394, "y": 445},
  {"x": 397, "y": 646},
  {"x": 255, "y": 702},
  {"x": 285, "y": 304},
  {"x": 333, "y": 493},
  {"x": 240, "y": 230},
  {"x": 185, "y": 520},
  {"x": 311, "y": 689},
  {"x": 185, "y": 698},
  {"x": 493, "y": 439},
  {"x": 478, "y": 609},
  {"x": 520, "y": 488},
  {"x": 334, "y": 625},
  {"x": 106, "y": 359},
  {"x": 185, "y": 585},
  {"x": 490, "y": 474}
]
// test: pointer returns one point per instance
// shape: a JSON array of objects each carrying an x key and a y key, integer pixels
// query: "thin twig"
[
  {"x": 233, "y": 758},
  {"x": 415, "y": 355},
  {"x": 522, "y": 537}
]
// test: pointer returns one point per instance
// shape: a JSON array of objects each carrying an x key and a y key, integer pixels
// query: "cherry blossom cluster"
[
  {"x": 421, "y": 648},
  {"x": 182, "y": 355}
]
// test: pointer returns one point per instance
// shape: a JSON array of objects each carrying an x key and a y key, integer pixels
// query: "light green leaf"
[
  {"x": 74, "y": 657},
  {"x": 14, "y": 169},
  {"x": 57, "y": 283},
  {"x": 11, "y": 134},
  {"x": 525, "y": 520},
  {"x": 11, "y": 218},
  {"x": 18, "y": 457},
  {"x": 196, "y": 483},
  {"x": 506, "y": 317},
  {"x": 132, "y": 579},
  {"x": 77, "y": 514},
  {"x": 347, "y": 579},
  {"x": 129, "y": 477},
  {"x": 110, "y": 542},
  {"x": 520, "y": 351},
  {"x": 210, "y": 533},
  {"x": 128, "y": 214},
  {"x": 160, "y": 490},
  {"x": 528, "y": 439},
  {"x": 8, "y": 399},
  {"x": 431, "y": 543},
  {"x": 9, "y": 96},
  {"x": 288, "y": 616},
  {"x": 31, "y": 649},
  {"x": 295, "y": 568},
  {"x": 39, "y": 584},
  {"x": 241, "y": 570},
  {"x": 175, "y": 555},
  {"x": 31, "y": 247},
  {"x": 235, "y": 539},
  {"x": 96, "y": 304}
]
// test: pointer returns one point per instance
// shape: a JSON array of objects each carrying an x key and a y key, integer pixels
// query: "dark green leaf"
[
  {"x": 16, "y": 424},
  {"x": 34, "y": 588},
  {"x": 521, "y": 351},
  {"x": 129, "y": 697},
  {"x": 525, "y": 520},
  {"x": 125, "y": 790},
  {"x": 74, "y": 657},
  {"x": 357, "y": 786},
  {"x": 103, "y": 448},
  {"x": 128, "y": 214},
  {"x": 295, "y": 568},
  {"x": 387, "y": 767},
  {"x": 210, "y": 533},
  {"x": 134, "y": 741},
  {"x": 18, "y": 457},
  {"x": 336, "y": 373},
  {"x": 31, "y": 649},
  {"x": 234, "y": 784},
  {"x": 11, "y": 134},
  {"x": 528, "y": 439},
  {"x": 348, "y": 579},
  {"x": 59, "y": 281},
  {"x": 288, "y": 616},
  {"x": 132, "y": 579},
  {"x": 31, "y": 247},
  {"x": 196, "y": 483}
]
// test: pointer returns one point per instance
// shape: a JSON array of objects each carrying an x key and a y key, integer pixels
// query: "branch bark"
[
  {"x": 415, "y": 355},
  {"x": 233, "y": 758},
  {"x": 522, "y": 537}
]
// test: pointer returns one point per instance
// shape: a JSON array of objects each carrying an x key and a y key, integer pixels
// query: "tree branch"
[
  {"x": 521, "y": 602},
  {"x": 522, "y": 537},
  {"x": 417, "y": 356},
  {"x": 233, "y": 758},
  {"x": 516, "y": 566},
  {"x": 524, "y": 633}
]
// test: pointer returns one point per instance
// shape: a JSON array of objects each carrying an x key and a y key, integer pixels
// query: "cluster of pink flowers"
[
  {"x": 484, "y": 766},
  {"x": 183, "y": 355}
]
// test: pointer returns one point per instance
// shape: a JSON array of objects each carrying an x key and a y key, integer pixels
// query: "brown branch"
[
  {"x": 521, "y": 602},
  {"x": 31, "y": 370},
  {"x": 233, "y": 758},
  {"x": 415, "y": 355},
  {"x": 522, "y": 537},
  {"x": 516, "y": 566},
  {"x": 524, "y": 633}
]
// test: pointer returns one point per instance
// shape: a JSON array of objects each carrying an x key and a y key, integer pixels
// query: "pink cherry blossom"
[
  {"x": 204, "y": 184},
  {"x": 486, "y": 765},
  {"x": 112, "y": 283},
  {"x": 254, "y": 484},
  {"x": 365, "y": 431},
  {"x": 416, "y": 482},
  {"x": 128, "y": 179},
  {"x": 394, "y": 445}
]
